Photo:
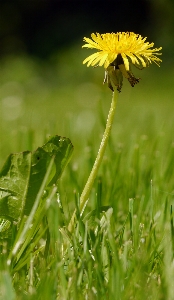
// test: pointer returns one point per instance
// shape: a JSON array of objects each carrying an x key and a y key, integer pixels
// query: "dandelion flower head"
[
  {"x": 130, "y": 45},
  {"x": 117, "y": 51}
]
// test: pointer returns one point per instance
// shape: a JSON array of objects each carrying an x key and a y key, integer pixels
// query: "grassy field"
[{"x": 122, "y": 246}]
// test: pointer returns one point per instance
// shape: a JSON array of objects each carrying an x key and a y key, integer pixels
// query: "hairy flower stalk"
[
  {"x": 117, "y": 51},
  {"x": 97, "y": 163}
]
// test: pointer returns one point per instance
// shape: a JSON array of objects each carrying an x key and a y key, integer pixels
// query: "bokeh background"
[
  {"x": 42, "y": 27},
  {"x": 45, "y": 89}
]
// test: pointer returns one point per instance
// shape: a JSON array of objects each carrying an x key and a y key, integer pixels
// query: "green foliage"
[
  {"x": 27, "y": 181},
  {"x": 23, "y": 173},
  {"x": 122, "y": 245}
]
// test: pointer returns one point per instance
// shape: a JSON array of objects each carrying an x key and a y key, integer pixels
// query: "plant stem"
[
  {"x": 89, "y": 184},
  {"x": 101, "y": 151}
]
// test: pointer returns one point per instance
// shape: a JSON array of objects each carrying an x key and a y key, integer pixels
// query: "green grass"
[{"x": 122, "y": 246}]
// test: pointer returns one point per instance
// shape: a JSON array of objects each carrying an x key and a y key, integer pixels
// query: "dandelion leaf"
[{"x": 23, "y": 173}]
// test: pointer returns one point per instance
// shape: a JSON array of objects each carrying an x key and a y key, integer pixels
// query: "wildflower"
[{"x": 116, "y": 52}]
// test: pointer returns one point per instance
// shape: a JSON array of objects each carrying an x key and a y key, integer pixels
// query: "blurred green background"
[{"x": 45, "y": 89}]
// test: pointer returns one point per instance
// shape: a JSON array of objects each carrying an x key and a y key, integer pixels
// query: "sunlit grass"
[{"x": 125, "y": 249}]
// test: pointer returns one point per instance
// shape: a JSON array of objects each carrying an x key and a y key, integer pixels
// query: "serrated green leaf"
[{"x": 23, "y": 173}]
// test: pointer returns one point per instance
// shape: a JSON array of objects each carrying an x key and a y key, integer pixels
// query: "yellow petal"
[
  {"x": 126, "y": 61},
  {"x": 101, "y": 59},
  {"x": 133, "y": 58},
  {"x": 90, "y": 58},
  {"x": 142, "y": 60}
]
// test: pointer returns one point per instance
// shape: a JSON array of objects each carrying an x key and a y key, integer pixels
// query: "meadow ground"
[{"x": 122, "y": 246}]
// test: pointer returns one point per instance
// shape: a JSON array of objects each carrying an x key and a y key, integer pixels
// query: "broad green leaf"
[{"x": 23, "y": 173}]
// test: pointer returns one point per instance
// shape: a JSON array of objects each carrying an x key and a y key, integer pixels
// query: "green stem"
[{"x": 89, "y": 184}]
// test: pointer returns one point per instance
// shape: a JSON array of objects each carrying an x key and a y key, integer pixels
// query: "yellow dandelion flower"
[{"x": 117, "y": 51}]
